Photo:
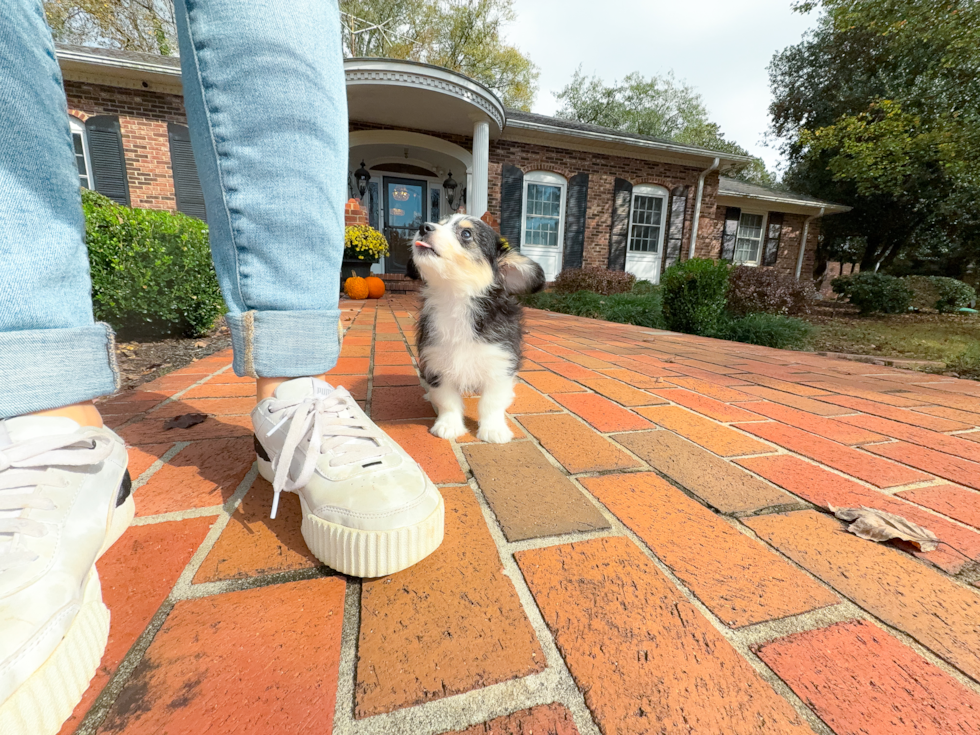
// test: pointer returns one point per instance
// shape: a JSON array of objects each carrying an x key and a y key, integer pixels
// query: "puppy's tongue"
[{"x": 421, "y": 244}]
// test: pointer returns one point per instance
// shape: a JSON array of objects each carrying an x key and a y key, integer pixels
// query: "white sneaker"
[
  {"x": 64, "y": 499},
  {"x": 368, "y": 508}
]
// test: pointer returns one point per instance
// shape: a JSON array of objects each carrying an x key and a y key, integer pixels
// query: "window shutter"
[
  {"x": 187, "y": 185},
  {"x": 675, "y": 226},
  {"x": 576, "y": 205},
  {"x": 729, "y": 233},
  {"x": 108, "y": 160},
  {"x": 773, "y": 234},
  {"x": 511, "y": 203},
  {"x": 619, "y": 230}
]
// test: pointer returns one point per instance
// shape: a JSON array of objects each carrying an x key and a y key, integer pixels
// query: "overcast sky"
[{"x": 721, "y": 47}]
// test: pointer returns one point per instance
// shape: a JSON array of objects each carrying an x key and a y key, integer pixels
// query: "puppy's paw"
[
  {"x": 448, "y": 427},
  {"x": 494, "y": 433}
]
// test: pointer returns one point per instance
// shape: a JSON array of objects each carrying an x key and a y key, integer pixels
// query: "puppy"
[{"x": 469, "y": 333}]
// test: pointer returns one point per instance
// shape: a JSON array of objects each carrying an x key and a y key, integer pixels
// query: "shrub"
[
  {"x": 925, "y": 294},
  {"x": 874, "y": 292},
  {"x": 645, "y": 287},
  {"x": 953, "y": 294},
  {"x": 152, "y": 273},
  {"x": 694, "y": 296},
  {"x": 598, "y": 280},
  {"x": 766, "y": 291},
  {"x": 768, "y": 330}
]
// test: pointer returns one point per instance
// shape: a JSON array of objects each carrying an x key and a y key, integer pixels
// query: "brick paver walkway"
[{"x": 648, "y": 556}]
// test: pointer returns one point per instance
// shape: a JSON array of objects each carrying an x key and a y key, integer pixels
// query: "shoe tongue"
[
  {"x": 302, "y": 387},
  {"x": 26, "y": 428}
]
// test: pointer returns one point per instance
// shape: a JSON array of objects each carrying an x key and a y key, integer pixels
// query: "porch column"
[{"x": 477, "y": 204}]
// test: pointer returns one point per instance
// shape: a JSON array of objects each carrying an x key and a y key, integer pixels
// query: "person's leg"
[
  {"x": 267, "y": 111},
  {"x": 64, "y": 490},
  {"x": 52, "y": 353}
]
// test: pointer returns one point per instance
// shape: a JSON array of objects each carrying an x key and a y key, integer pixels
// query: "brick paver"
[
  {"x": 880, "y": 686},
  {"x": 539, "y": 614}
]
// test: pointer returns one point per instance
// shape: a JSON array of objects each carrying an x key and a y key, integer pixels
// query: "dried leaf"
[
  {"x": 877, "y": 525},
  {"x": 185, "y": 421}
]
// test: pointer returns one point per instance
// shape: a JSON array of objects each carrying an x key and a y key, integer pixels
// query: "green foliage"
[
  {"x": 152, "y": 273},
  {"x": 643, "y": 309},
  {"x": 645, "y": 287},
  {"x": 967, "y": 363},
  {"x": 694, "y": 294},
  {"x": 875, "y": 292},
  {"x": 660, "y": 106},
  {"x": 953, "y": 294},
  {"x": 466, "y": 36},
  {"x": 877, "y": 108},
  {"x": 925, "y": 293},
  {"x": 768, "y": 330}
]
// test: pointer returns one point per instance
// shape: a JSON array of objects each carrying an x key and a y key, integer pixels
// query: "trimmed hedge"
[
  {"x": 766, "y": 291},
  {"x": 694, "y": 296},
  {"x": 598, "y": 280},
  {"x": 939, "y": 293},
  {"x": 768, "y": 330},
  {"x": 874, "y": 292},
  {"x": 152, "y": 274}
]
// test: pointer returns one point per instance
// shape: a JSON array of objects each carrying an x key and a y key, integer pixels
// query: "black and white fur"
[{"x": 469, "y": 332}]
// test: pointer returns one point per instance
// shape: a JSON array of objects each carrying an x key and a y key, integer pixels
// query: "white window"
[
  {"x": 544, "y": 209},
  {"x": 82, "y": 160},
  {"x": 647, "y": 215},
  {"x": 748, "y": 243}
]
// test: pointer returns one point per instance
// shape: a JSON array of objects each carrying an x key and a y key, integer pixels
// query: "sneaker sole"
[
  {"x": 43, "y": 703},
  {"x": 358, "y": 553},
  {"x": 45, "y": 700}
]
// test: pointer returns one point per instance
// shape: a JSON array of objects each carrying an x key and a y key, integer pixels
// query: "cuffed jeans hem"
[
  {"x": 41, "y": 369},
  {"x": 284, "y": 344}
]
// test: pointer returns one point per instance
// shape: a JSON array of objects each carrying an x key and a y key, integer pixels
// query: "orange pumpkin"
[
  {"x": 375, "y": 286},
  {"x": 355, "y": 287}
]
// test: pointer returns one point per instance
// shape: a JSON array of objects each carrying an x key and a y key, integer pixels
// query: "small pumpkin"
[
  {"x": 355, "y": 287},
  {"x": 375, "y": 287}
]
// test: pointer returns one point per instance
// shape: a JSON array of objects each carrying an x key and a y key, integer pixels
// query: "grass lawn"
[{"x": 953, "y": 339}]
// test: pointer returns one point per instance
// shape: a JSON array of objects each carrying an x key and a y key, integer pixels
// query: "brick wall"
[
  {"x": 789, "y": 242},
  {"x": 143, "y": 118}
]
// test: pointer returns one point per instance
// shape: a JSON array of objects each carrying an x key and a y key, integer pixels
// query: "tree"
[
  {"x": 879, "y": 108},
  {"x": 660, "y": 106},
  {"x": 466, "y": 36},
  {"x": 132, "y": 25}
]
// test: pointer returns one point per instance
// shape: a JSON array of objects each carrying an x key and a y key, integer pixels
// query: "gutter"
[
  {"x": 806, "y": 234},
  {"x": 112, "y": 63},
  {"x": 697, "y": 205}
]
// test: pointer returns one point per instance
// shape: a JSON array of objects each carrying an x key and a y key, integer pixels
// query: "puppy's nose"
[{"x": 427, "y": 227}]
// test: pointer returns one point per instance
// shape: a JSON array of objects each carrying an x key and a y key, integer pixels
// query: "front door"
[
  {"x": 404, "y": 212},
  {"x": 646, "y": 233}
]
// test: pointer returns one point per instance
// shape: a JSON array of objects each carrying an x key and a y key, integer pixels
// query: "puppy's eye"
[{"x": 466, "y": 235}]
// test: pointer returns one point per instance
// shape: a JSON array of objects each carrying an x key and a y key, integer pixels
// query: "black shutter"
[
  {"x": 729, "y": 233},
  {"x": 187, "y": 185},
  {"x": 620, "y": 227},
  {"x": 511, "y": 203},
  {"x": 105, "y": 150},
  {"x": 675, "y": 227},
  {"x": 773, "y": 233},
  {"x": 576, "y": 206}
]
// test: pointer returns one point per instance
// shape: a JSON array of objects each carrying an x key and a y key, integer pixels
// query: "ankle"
[
  {"x": 84, "y": 414},
  {"x": 265, "y": 387}
]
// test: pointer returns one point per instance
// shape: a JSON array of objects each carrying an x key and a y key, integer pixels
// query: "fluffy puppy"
[{"x": 469, "y": 333}]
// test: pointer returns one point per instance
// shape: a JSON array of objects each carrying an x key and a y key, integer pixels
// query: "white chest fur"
[{"x": 455, "y": 353}]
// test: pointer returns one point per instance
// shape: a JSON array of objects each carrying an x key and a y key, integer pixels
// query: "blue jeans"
[{"x": 267, "y": 111}]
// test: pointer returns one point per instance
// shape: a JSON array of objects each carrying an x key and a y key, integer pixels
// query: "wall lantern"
[
  {"x": 363, "y": 177},
  {"x": 450, "y": 186}
]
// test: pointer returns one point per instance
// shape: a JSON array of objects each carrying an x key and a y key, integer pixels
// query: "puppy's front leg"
[
  {"x": 495, "y": 400},
  {"x": 449, "y": 406}
]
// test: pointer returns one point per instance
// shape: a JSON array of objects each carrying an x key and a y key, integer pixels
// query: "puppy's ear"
[{"x": 518, "y": 272}]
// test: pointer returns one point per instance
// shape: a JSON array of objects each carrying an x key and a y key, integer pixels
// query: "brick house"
[{"x": 425, "y": 142}]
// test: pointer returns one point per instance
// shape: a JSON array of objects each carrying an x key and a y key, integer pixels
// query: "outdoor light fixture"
[
  {"x": 363, "y": 177},
  {"x": 450, "y": 186}
]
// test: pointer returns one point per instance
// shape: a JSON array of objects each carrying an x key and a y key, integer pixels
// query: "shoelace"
[
  {"x": 23, "y": 469},
  {"x": 329, "y": 422}
]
